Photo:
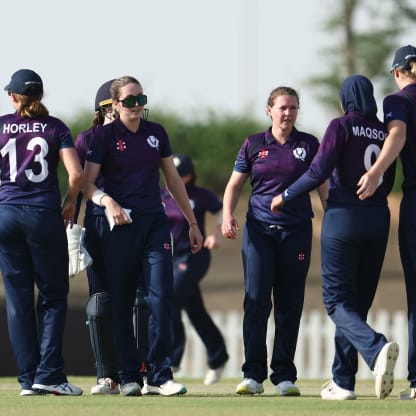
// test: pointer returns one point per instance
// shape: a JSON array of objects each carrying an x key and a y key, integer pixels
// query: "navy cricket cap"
[
  {"x": 103, "y": 96},
  {"x": 183, "y": 164},
  {"x": 403, "y": 56},
  {"x": 25, "y": 82}
]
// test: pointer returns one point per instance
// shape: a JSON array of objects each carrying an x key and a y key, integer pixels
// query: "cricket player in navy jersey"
[
  {"x": 128, "y": 153},
  {"x": 276, "y": 248},
  {"x": 95, "y": 223},
  {"x": 353, "y": 239},
  {"x": 33, "y": 243},
  {"x": 400, "y": 118},
  {"x": 189, "y": 269}
]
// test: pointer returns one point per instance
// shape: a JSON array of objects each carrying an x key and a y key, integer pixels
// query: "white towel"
[{"x": 110, "y": 219}]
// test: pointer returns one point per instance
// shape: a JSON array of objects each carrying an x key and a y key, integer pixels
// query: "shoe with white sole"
[
  {"x": 63, "y": 389},
  {"x": 287, "y": 388},
  {"x": 249, "y": 386},
  {"x": 408, "y": 394},
  {"x": 384, "y": 369},
  {"x": 29, "y": 392},
  {"x": 144, "y": 388},
  {"x": 131, "y": 389},
  {"x": 105, "y": 386},
  {"x": 331, "y": 391},
  {"x": 170, "y": 388},
  {"x": 214, "y": 375}
]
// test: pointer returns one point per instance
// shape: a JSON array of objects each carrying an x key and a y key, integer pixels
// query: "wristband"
[
  {"x": 191, "y": 224},
  {"x": 97, "y": 196}
]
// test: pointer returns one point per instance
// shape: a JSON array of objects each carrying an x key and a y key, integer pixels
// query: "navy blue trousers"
[
  {"x": 275, "y": 263},
  {"x": 407, "y": 246},
  {"x": 96, "y": 226},
  {"x": 353, "y": 245},
  {"x": 141, "y": 248},
  {"x": 34, "y": 251},
  {"x": 188, "y": 270}
]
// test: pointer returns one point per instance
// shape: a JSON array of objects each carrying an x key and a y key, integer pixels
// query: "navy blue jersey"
[
  {"x": 349, "y": 147},
  {"x": 272, "y": 168},
  {"x": 82, "y": 143},
  {"x": 29, "y": 159},
  {"x": 130, "y": 163},
  {"x": 202, "y": 201},
  {"x": 402, "y": 106}
]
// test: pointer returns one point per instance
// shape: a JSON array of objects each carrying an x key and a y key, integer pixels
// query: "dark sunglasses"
[{"x": 131, "y": 100}]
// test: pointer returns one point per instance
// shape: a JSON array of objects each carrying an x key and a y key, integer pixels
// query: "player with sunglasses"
[{"x": 128, "y": 154}]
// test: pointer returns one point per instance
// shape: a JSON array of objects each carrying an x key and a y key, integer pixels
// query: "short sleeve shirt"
[
  {"x": 272, "y": 167},
  {"x": 402, "y": 106},
  {"x": 29, "y": 159},
  {"x": 130, "y": 163}
]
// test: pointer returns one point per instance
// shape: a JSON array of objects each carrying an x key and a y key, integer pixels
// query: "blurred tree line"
[{"x": 363, "y": 36}]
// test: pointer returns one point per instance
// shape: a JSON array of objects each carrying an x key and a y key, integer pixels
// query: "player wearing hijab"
[
  {"x": 189, "y": 269},
  {"x": 128, "y": 153},
  {"x": 33, "y": 243},
  {"x": 354, "y": 238},
  {"x": 399, "y": 116},
  {"x": 276, "y": 248}
]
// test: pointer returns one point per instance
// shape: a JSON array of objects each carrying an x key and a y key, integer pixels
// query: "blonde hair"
[
  {"x": 281, "y": 91},
  {"x": 411, "y": 73},
  {"x": 29, "y": 106},
  {"x": 119, "y": 83},
  {"x": 115, "y": 89}
]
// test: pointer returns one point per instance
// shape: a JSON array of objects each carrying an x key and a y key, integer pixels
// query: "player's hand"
[
  {"x": 229, "y": 228},
  {"x": 68, "y": 212},
  {"x": 211, "y": 242},
  {"x": 367, "y": 185},
  {"x": 195, "y": 238},
  {"x": 116, "y": 212},
  {"x": 277, "y": 202}
]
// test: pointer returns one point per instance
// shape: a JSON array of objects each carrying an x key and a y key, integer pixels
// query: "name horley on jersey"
[{"x": 24, "y": 128}]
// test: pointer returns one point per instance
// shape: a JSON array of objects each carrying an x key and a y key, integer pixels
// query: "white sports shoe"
[
  {"x": 249, "y": 386},
  {"x": 144, "y": 388},
  {"x": 408, "y": 394},
  {"x": 170, "y": 388},
  {"x": 63, "y": 389},
  {"x": 131, "y": 389},
  {"x": 29, "y": 392},
  {"x": 105, "y": 386},
  {"x": 331, "y": 391},
  {"x": 287, "y": 388},
  {"x": 384, "y": 369},
  {"x": 214, "y": 375}
]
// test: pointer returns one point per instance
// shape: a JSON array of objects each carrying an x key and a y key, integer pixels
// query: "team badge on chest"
[
  {"x": 263, "y": 153},
  {"x": 153, "y": 142},
  {"x": 299, "y": 153},
  {"x": 121, "y": 145}
]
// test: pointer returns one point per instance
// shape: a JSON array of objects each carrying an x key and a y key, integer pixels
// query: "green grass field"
[{"x": 218, "y": 399}]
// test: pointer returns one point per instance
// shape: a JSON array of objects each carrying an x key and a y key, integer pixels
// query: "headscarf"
[{"x": 357, "y": 94}]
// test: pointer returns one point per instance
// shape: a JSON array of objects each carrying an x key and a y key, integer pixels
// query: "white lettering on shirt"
[
  {"x": 361, "y": 131},
  {"x": 24, "y": 128}
]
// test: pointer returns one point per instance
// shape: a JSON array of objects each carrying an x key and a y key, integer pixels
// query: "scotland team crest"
[
  {"x": 153, "y": 142},
  {"x": 299, "y": 153}
]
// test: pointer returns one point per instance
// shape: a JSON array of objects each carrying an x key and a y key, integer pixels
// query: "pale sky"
[{"x": 191, "y": 56}]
